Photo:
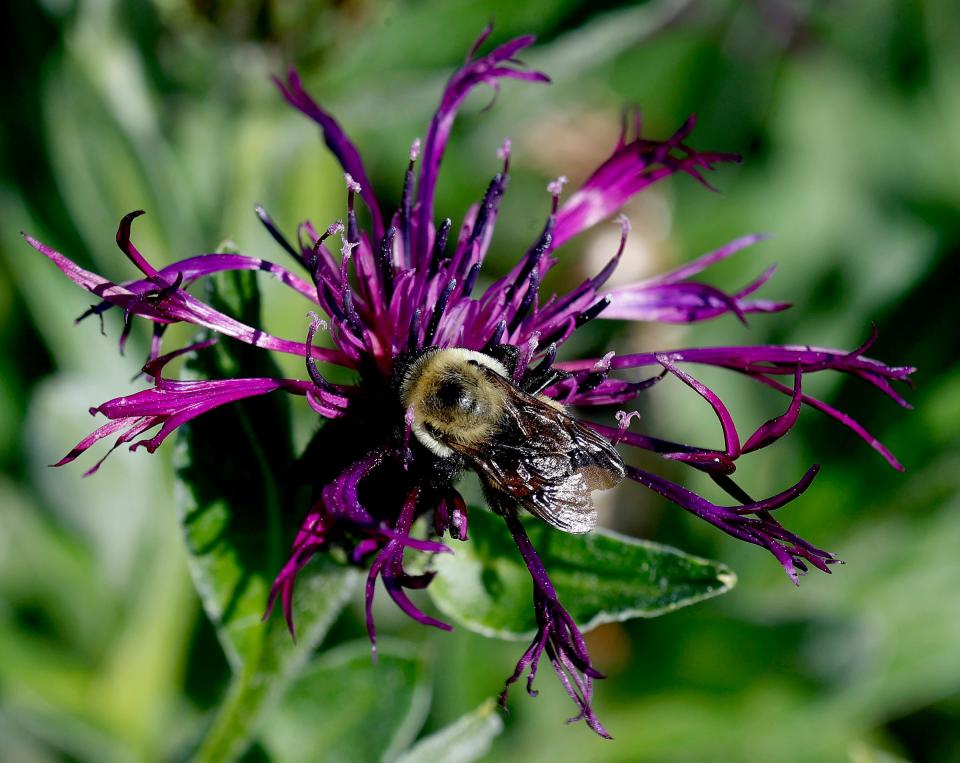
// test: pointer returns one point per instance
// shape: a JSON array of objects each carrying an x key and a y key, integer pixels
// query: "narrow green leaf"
[
  {"x": 463, "y": 741},
  {"x": 238, "y": 517},
  {"x": 346, "y": 708},
  {"x": 600, "y": 577}
]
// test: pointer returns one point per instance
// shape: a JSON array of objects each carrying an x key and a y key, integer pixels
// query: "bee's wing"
[
  {"x": 547, "y": 462},
  {"x": 594, "y": 457},
  {"x": 541, "y": 482}
]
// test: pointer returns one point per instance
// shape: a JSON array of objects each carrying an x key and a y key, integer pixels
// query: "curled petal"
[
  {"x": 773, "y": 430},
  {"x": 389, "y": 566},
  {"x": 171, "y": 304},
  {"x": 336, "y": 140},
  {"x": 311, "y": 538},
  {"x": 843, "y": 418},
  {"x": 631, "y": 168},
  {"x": 171, "y": 404},
  {"x": 489, "y": 69},
  {"x": 557, "y": 635},
  {"x": 763, "y": 362},
  {"x": 730, "y": 437},
  {"x": 760, "y": 529}
]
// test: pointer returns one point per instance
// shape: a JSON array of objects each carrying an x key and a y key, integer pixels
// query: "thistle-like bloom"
[{"x": 404, "y": 285}]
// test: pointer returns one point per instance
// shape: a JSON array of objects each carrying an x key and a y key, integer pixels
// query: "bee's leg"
[
  {"x": 499, "y": 503},
  {"x": 538, "y": 382},
  {"x": 442, "y": 471}
]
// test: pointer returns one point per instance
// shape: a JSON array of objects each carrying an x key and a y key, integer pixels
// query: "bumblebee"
[{"x": 525, "y": 448}]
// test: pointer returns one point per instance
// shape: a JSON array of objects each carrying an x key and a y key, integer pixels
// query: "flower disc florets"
[{"x": 404, "y": 285}]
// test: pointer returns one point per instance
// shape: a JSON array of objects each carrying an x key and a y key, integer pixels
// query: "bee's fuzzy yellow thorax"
[{"x": 472, "y": 413}]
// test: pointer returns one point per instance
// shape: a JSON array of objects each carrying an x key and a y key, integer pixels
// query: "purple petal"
[
  {"x": 774, "y": 429},
  {"x": 486, "y": 69},
  {"x": 843, "y": 418},
  {"x": 389, "y": 566},
  {"x": 557, "y": 635},
  {"x": 761, "y": 529},
  {"x": 202, "y": 265},
  {"x": 630, "y": 169},
  {"x": 172, "y": 305},
  {"x": 336, "y": 140},
  {"x": 730, "y": 437},
  {"x": 760, "y": 362},
  {"x": 154, "y": 366},
  {"x": 703, "y": 262},
  {"x": 670, "y": 298},
  {"x": 98, "y": 434},
  {"x": 127, "y": 247},
  {"x": 171, "y": 404}
]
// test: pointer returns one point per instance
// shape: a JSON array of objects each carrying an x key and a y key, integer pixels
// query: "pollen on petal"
[
  {"x": 604, "y": 363},
  {"x": 316, "y": 322},
  {"x": 623, "y": 422},
  {"x": 555, "y": 187},
  {"x": 352, "y": 185},
  {"x": 347, "y": 247},
  {"x": 624, "y": 222}
]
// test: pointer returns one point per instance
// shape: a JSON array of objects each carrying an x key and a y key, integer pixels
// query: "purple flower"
[{"x": 405, "y": 284}]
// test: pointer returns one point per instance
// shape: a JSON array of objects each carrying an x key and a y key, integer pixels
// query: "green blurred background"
[{"x": 846, "y": 114}]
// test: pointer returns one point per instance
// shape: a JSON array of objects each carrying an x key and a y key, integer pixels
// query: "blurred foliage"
[{"x": 845, "y": 114}]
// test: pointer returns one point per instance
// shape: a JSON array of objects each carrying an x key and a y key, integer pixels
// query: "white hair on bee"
[{"x": 430, "y": 442}]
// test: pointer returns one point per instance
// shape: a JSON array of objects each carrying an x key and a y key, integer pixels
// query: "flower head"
[{"x": 404, "y": 286}]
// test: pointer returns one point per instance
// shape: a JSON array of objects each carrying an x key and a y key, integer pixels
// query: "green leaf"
[
  {"x": 238, "y": 516},
  {"x": 463, "y": 741},
  {"x": 347, "y": 708},
  {"x": 600, "y": 577}
]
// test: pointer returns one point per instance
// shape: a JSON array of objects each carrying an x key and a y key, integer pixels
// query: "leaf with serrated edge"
[{"x": 600, "y": 577}]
